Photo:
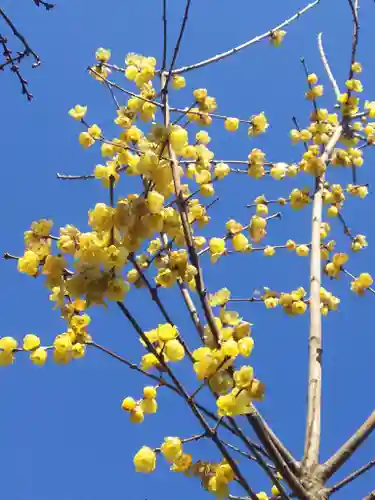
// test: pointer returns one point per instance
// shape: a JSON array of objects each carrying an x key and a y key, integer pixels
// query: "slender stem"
[
  {"x": 351, "y": 477},
  {"x": 181, "y": 205},
  {"x": 313, "y": 424},
  {"x": 165, "y": 39},
  {"x": 22, "y": 39},
  {"x": 327, "y": 67},
  {"x": 234, "y": 50},
  {"x": 177, "y": 46},
  {"x": 343, "y": 454},
  {"x": 191, "y": 404}
]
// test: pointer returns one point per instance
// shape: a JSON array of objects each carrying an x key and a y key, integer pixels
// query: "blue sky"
[{"x": 64, "y": 435}]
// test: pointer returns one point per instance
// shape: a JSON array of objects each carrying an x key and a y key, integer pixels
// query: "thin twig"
[
  {"x": 177, "y": 46},
  {"x": 351, "y": 477},
  {"x": 258, "y": 38}
]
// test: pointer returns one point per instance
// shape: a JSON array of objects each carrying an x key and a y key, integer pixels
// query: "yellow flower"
[
  {"x": 243, "y": 377},
  {"x": 155, "y": 202},
  {"x": 6, "y": 358},
  {"x": 145, "y": 460},
  {"x": 277, "y": 37},
  {"x": 245, "y": 346},
  {"x": 354, "y": 85},
  {"x": 30, "y": 342},
  {"x": 103, "y": 55},
  {"x": 78, "y": 112},
  {"x": 240, "y": 242},
  {"x": 149, "y": 392},
  {"x": 302, "y": 250},
  {"x": 182, "y": 463},
  {"x": 39, "y": 356},
  {"x": 86, "y": 140},
  {"x": 259, "y": 124},
  {"x": 202, "y": 137},
  {"x": 356, "y": 67},
  {"x": 231, "y": 124},
  {"x": 262, "y": 496},
  {"x": 275, "y": 491},
  {"x": 62, "y": 343},
  {"x": 219, "y": 298},
  {"x": 8, "y": 344},
  {"x": 29, "y": 263},
  {"x": 178, "y": 82},
  {"x": 217, "y": 248},
  {"x": 171, "y": 448},
  {"x": 95, "y": 131},
  {"x": 128, "y": 404},
  {"x": 137, "y": 415},
  {"x": 221, "y": 170},
  {"x": 178, "y": 138},
  {"x": 332, "y": 211},
  {"x": 149, "y": 406},
  {"x": 78, "y": 350},
  {"x": 269, "y": 251},
  {"x": 312, "y": 79},
  {"x": 174, "y": 350}
]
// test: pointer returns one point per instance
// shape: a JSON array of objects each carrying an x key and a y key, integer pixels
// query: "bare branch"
[
  {"x": 343, "y": 454},
  {"x": 327, "y": 67},
  {"x": 351, "y": 477},
  {"x": 258, "y": 38}
]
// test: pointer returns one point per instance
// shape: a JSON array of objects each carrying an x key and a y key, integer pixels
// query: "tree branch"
[
  {"x": 258, "y": 38},
  {"x": 327, "y": 67},
  {"x": 343, "y": 454},
  {"x": 351, "y": 477},
  {"x": 313, "y": 424}
]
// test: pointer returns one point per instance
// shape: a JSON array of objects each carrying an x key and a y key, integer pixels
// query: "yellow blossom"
[
  {"x": 78, "y": 112},
  {"x": 145, "y": 460},
  {"x": 103, "y": 55},
  {"x": 231, "y": 124},
  {"x": 30, "y": 342},
  {"x": 39, "y": 356}
]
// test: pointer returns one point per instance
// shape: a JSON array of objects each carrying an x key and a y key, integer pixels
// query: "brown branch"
[
  {"x": 370, "y": 496},
  {"x": 313, "y": 424},
  {"x": 165, "y": 39},
  {"x": 281, "y": 464},
  {"x": 177, "y": 46},
  {"x": 258, "y": 38},
  {"x": 351, "y": 477},
  {"x": 191, "y": 404},
  {"x": 181, "y": 204},
  {"x": 343, "y": 454},
  {"x": 262, "y": 463}
]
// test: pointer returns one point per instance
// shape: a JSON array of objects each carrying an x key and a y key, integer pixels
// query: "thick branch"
[
  {"x": 334, "y": 463},
  {"x": 313, "y": 424}
]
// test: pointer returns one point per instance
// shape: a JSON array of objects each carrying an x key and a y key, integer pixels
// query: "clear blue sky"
[{"x": 63, "y": 434}]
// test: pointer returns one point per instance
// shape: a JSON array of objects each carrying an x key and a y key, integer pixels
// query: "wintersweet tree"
[{"x": 155, "y": 238}]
